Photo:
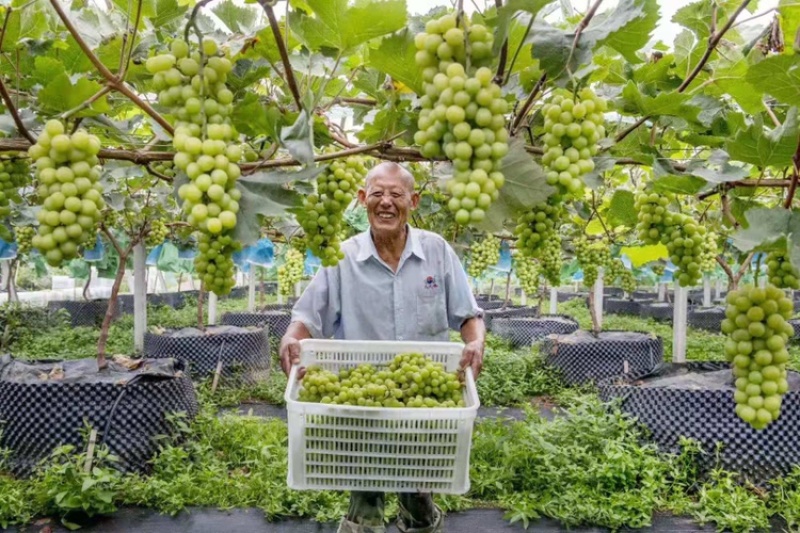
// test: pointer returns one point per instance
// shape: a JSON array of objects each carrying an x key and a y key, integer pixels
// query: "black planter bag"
[
  {"x": 613, "y": 292},
  {"x": 37, "y": 416},
  {"x": 506, "y": 312},
  {"x": 706, "y": 414},
  {"x": 707, "y": 318},
  {"x": 276, "y": 322},
  {"x": 521, "y": 331},
  {"x": 645, "y": 295},
  {"x": 622, "y": 307},
  {"x": 661, "y": 311},
  {"x": 244, "y": 354},
  {"x": 176, "y": 300},
  {"x": 581, "y": 357},
  {"x": 88, "y": 313},
  {"x": 795, "y": 322},
  {"x": 567, "y": 296}
]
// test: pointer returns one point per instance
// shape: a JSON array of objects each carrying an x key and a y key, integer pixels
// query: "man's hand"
[
  {"x": 472, "y": 356},
  {"x": 290, "y": 353}
]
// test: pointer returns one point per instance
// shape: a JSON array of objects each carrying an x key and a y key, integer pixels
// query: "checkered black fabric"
[
  {"x": 520, "y": 331},
  {"x": 622, "y": 307},
  {"x": 506, "y": 312},
  {"x": 661, "y": 311},
  {"x": 583, "y": 357},
  {"x": 708, "y": 416},
  {"x": 707, "y": 318},
  {"x": 84, "y": 313}
]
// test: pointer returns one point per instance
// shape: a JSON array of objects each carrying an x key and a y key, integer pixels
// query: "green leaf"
[
  {"x": 167, "y": 11},
  {"x": 264, "y": 195},
  {"x": 61, "y": 95},
  {"x": 696, "y": 17},
  {"x": 731, "y": 76},
  {"x": 789, "y": 13},
  {"x": 687, "y": 53},
  {"x": 664, "y": 104},
  {"x": 778, "y": 76},
  {"x": 765, "y": 148},
  {"x": 506, "y": 14},
  {"x": 552, "y": 46},
  {"x": 299, "y": 138},
  {"x": 765, "y": 226},
  {"x": 26, "y": 24},
  {"x": 525, "y": 186},
  {"x": 395, "y": 57},
  {"x": 254, "y": 118},
  {"x": 621, "y": 211},
  {"x": 626, "y": 28},
  {"x": 718, "y": 170},
  {"x": 641, "y": 255},
  {"x": 678, "y": 184},
  {"x": 239, "y": 19},
  {"x": 336, "y": 25}
]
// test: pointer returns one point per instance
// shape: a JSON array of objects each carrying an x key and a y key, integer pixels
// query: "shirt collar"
[{"x": 367, "y": 246}]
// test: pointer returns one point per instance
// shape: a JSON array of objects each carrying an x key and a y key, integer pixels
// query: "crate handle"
[{"x": 292, "y": 378}]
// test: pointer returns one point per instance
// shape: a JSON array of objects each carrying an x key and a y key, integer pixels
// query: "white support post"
[
  {"x": 553, "y": 300},
  {"x": 523, "y": 300},
  {"x": 762, "y": 281},
  {"x": 706, "y": 291},
  {"x": 139, "y": 296},
  {"x": 598, "y": 298},
  {"x": 212, "y": 308},
  {"x": 662, "y": 292},
  {"x": 5, "y": 270},
  {"x": 251, "y": 289},
  {"x": 298, "y": 290},
  {"x": 280, "y": 296},
  {"x": 679, "y": 318},
  {"x": 718, "y": 289}
]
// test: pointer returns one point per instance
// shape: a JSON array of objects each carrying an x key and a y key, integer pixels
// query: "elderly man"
[{"x": 394, "y": 283}]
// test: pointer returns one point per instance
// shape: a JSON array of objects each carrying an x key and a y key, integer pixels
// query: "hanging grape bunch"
[
  {"x": 683, "y": 238},
  {"x": 621, "y": 275},
  {"x": 659, "y": 269},
  {"x": 483, "y": 254},
  {"x": 551, "y": 261},
  {"x": 165, "y": 168},
  {"x": 536, "y": 226},
  {"x": 322, "y": 213},
  {"x": 757, "y": 333},
  {"x": 69, "y": 189},
  {"x": 463, "y": 112},
  {"x": 23, "y": 235},
  {"x": 708, "y": 253},
  {"x": 780, "y": 271},
  {"x": 14, "y": 174},
  {"x": 156, "y": 234},
  {"x": 410, "y": 380},
  {"x": 527, "y": 273},
  {"x": 573, "y": 126},
  {"x": 591, "y": 257},
  {"x": 192, "y": 85},
  {"x": 291, "y": 272}
]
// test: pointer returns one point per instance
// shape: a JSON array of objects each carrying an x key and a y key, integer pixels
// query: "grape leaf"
[
  {"x": 621, "y": 211},
  {"x": 778, "y": 76},
  {"x": 61, "y": 95},
  {"x": 763, "y": 148},
  {"x": 239, "y": 19},
  {"x": 26, "y": 24},
  {"x": 254, "y": 118},
  {"x": 789, "y": 13},
  {"x": 765, "y": 227},
  {"x": 626, "y": 28},
  {"x": 718, "y": 170},
  {"x": 506, "y": 14},
  {"x": 395, "y": 57},
  {"x": 299, "y": 138},
  {"x": 664, "y": 104}
]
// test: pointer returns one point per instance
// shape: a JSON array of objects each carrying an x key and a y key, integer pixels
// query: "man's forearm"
[
  {"x": 297, "y": 330},
  {"x": 473, "y": 330}
]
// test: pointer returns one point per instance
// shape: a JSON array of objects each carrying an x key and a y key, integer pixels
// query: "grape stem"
[
  {"x": 523, "y": 112},
  {"x": 157, "y": 174},
  {"x": 87, "y": 103},
  {"x": 500, "y": 76},
  {"x": 14, "y": 113},
  {"x": 287, "y": 66},
  {"x": 793, "y": 187},
  {"x": 582, "y": 25},
  {"x": 517, "y": 51}
]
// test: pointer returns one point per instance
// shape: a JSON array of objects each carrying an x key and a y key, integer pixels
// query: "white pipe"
[
  {"x": 679, "y": 318},
  {"x": 598, "y": 298},
  {"x": 212, "y": 308},
  {"x": 706, "y": 291},
  {"x": 553, "y": 300},
  {"x": 251, "y": 289},
  {"x": 139, "y": 297}
]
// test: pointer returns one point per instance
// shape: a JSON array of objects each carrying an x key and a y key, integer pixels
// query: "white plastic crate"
[{"x": 341, "y": 447}]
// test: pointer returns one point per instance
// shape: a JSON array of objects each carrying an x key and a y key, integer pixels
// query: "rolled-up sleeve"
[
  {"x": 461, "y": 304},
  {"x": 319, "y": 308}
]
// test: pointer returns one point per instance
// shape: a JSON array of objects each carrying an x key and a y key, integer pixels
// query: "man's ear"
[
  {"x": 362, "y": 197},
  {"x": 414, "y": 200}
]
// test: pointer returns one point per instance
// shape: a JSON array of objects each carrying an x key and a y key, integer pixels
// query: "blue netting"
[
  {"x": 504, "y": 263},
  {"x": 8, "y": 250},
  {"x": 312, "y": 264},
  {"x": 95, "y": 254},
  {"x": 152, "y": 257}
]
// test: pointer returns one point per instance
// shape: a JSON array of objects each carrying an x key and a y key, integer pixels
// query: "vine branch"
[
  {"x": 582, "y": 25},
  {"x": 523, "y": 112},
  {"x": 793, "y": 187},
  {"x": 498, "y": 78},
  {"x": 14, "y": 113},
  {"x": 287, "y": 66}
]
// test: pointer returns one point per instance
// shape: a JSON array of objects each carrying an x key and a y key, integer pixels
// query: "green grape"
[
  {"x": 23, "y": 235},
  {"x": 708, "y": 253},
  {"x": 482, "y": 254},
  {"x": 291, "y": 272},
  {"x": 659, "y": 269},
  {"x": 537, "y": 226},
  {"x": 463, "y": 112},
  {"x": 70, "y": 191},
  {"x": 527, "y": 273},
  {"x": 780, "y": 271},
  {"x": 551, "y": 260},
  {"x": 758, "y": 333},
  {"x": 14, "y": 174},
  {"x": 410, "y": 380},
  {"x": 573, "y": 126},
  {"x": 322, "y": 214},
  {"x": 191, "y": 84},
  {"x": 653, "y": 216},
  {"x": 165, "y": 168},
  {"x": 591, "y": 257},
  {"x": 156, "y": 233}
]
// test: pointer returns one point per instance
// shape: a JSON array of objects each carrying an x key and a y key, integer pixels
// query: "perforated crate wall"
[
  {"x": 661, "y": 311},
  {"x": 84, "y": 313},
  {"x": 36, "y": 418},
  {"x": 245, "y": 356},
  {"x": 621, "y": 307},
  {"x": 581, "y": 357},
  {"x": 506, "y": 312},
  {"x": 526, "y": 331},
  {"x": 708, "y": 417},
  {"x": 709, "y": 319}
]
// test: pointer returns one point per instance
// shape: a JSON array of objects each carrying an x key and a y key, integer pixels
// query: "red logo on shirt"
[{"x": 430, "y": 283}]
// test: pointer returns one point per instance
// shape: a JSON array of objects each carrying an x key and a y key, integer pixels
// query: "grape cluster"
[
  {"x": 322, "y": 213},
  {"x": 23, "y": 235},
  {"x": 685, "y": 240},
  {"x": 537, "y": 226},
  {"x": 527, "y": 273},
  {"x": 658, "y": 269},
  {"x": 708, "y": 253},
  {"x": 70, "y": 190},
  {"x": 165, "y": 168},
  {"x": 14, "y": 174},
  {"x": 573, "y": 126},
  {"x": 482, "y": 254},
  {"x": 463, "y": 112},
  {"x": 290, "y": 272},
  {"x": 410, "y": 380},
  {"x": 591, "y": 257},
  {"x": 192, "y": 86},
  {"x": 780, "y": 271},
  {"x": 757, "y": 333},
  {"x": 616, "y": 272},
  {"x": 156, "y": 234},
  {"x": 551, "y": 261}
]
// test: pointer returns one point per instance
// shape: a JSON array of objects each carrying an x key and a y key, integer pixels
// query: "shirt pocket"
[{"x": 431, "y": 311}]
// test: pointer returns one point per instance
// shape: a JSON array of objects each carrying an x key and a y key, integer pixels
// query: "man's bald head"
[{"x": 390, "y": 169}]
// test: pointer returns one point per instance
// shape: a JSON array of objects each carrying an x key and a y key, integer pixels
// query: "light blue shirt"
[{"x": 361, "y": 298}]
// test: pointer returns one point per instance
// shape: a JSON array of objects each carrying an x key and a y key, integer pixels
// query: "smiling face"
[{"x": 389, "y": 197}]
